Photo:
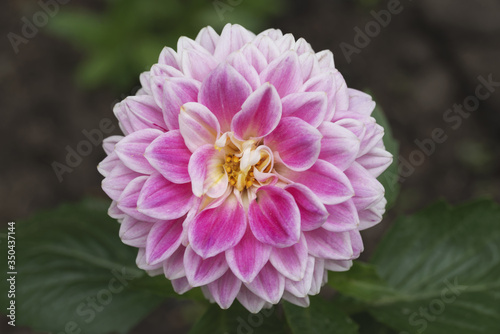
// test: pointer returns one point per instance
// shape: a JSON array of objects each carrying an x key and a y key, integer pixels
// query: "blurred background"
[{"x": 64, "y": 64}]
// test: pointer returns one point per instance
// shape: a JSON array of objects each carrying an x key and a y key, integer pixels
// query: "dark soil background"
[{"x": 426, "y": 60}]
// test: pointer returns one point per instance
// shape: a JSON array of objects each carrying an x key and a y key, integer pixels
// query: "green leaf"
[
  {"x": 389, "y": 178},
  {"x": 73, "y": 272},
  {"x": 444, "y": 264},
  {"x": 321, "y": 317},
  {"x": 237, "y": 320}
]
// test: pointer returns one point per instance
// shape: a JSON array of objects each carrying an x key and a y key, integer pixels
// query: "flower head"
[{"x": 247, "y": 168}]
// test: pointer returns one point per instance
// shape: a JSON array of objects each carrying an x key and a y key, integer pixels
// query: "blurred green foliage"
[{"x": 127, "y": 37}]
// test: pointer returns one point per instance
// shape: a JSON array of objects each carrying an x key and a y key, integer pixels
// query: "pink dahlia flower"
[{"x": 247, "y": 168}]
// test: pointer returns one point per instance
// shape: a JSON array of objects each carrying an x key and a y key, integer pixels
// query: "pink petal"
[
  {"x": 116, "y": 181},
  {"x": 309, "y": 65},
  {"x": 121, "y": 114},
  {"x": 206, "y": 172},
  {"x": 373, "y": 215},
  {"x": 376, "y": 161},
  {"x": 198, "y": 125},
  {"x": 319, "y": 274},
  {"x": 325, "y": 59},
  {"x": 114, "y": 212},
  {"x": 308, "y": 106},
  {"x": 242, "y": 65},
  {"x": 162, "y": 199},
  {"x": 181, "y": 285},
  {"x": 268, "y": 285},
  {"x": 312, "y": 212},
  {"x": 329, "y": 245},
  {"x": 131, "y": 150},
  {"x": 169, "y": 57},
  {"x": 165, "y": 71},
  {"x": 108, "y": 164},
  {"x": 297, "y": 143},
  {"x": 225, "y": 289},
  {"x": 360, "y": 102},
  {"x": 338, "y": 265},
  {"x": 301, "y": 288},
  {"x": 328, "y": 182},
  {"x": 291, "y": 261},
  {"x": 223, "y": 92},
  {"x": 145, "y": 78},
  {"x": 367, "y": 188},
  {"x": 284, "y": 73},
  {"x": 208, "y": 38},
  {"x": 302, "y": 302},
  {"x": 267, "y": 47},
  {"x": 216, "y": 230},
  {"x": 274, "y": 217},
  {"x": 171, "y": 93},
  {"x": 355, "y": 126},
  {"x": 356, "y": 242},
  {"x": 169, "y": 155},
  {"x": 324, "y": 82},
  {"x": 285, "y": 42},
  {"x": 134, "y": 232},
  {"x": 173, "y": 267},
  {"x": 301, "y": 46},
  {"x": 232, "y": 38},
  {"x": 141, "y": 262},
  {"x": 339, "y": 146},
  {"x": 274, "y": 34},
  {"x": 197, "y": 64},
  {"x": 163, "y": 240},
  {"x": 108, "y": 144},
  {"x": 128, "y": 199},
  {"x": 343, "y": 217},
  {"x": 254, "y": 57},
  {"x": 259, "y": 115},
  {"x": 248, "y": 257},
  {"x": 373, "y": 136},
  {"x": 201, "y": 271},
  {"x": 249, "y": 300}
]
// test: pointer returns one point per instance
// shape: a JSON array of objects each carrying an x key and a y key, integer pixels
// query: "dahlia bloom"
[{"x": 247, "y": 168}]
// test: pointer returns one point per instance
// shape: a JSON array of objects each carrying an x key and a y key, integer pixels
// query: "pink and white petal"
[
  {"x": 376, "y": 161},
  {"x": 285, "y": 42},
  {"x": 284, "y": 73},
  {"x": 259, "y": 115},
  {"x": 131, "y": 150},
  {"x": 318, "y": 277},
  {"x": 302, "y": 46},
  {"x": 232, "y": 38},
  {"x": 171, "y": 93},
  {"x": 373, "y": 136},
  {"x": 185, "y": 43},
  {"x": 116, "y": 181},
  {"x": 205, "y": 170},
  {"x": 165, "y": 71},
  {"x": 142, "y": 263},
  {"x": 162, "y": 199},
  {"x": 223, "y": 92},
  {"x": 355, "y": 126},
  {"x": 291, "y": 261},
  {"x": 343, "y": 217},
  {"x": 173, "y": 267},
  {"x": 114, "y": 212},
  {"x": 108, "y": 144},
  {"x": 313, "y": 213},
  {"x": 208, "y": 38},
  {"x": 308, "y": 106},
  {"x": 249, "y": 300},
  {"x": 325, "y": 59},
  {"x": 197, "y": 64},
  {"x": 169, "y": 57},
  {"x": 254, "y": 57},
  {"x": 121, "y": 114},
  {"x": 328, "y": 182},
  {"x": 301, "y": 288},
  {"x": 163, "y": 240},
  {"x": 309, "y": 65},
  {"x": 108, "y": 164},
  {"x": 372, "y": 216},
  {"x": 341, "y": 95},
  {"x": 198, "y": 125},
  {"x": 274, "y": 34},
  {"x": 360, "y": 102},
  {"x": 267, "y": 47},
  {"x": 338, "y": 265},
  {"x": 128, "y": 199},
  {"x": 144, "y": 79},
  {"x": 274, "y": 217},
  {"x": 303, "y": 302},
  {"x": 225, "y": 289},
  {"x": 297, "y": 142},
  {"x": 216, "y": 230},
  {"x": 329, "y": 245},
  {"x": 357, "y": 243},
  {"x": 241, "y": 64},
  {"x": 248, "y": 257},
  {"x": 339, "y": 146},
  {"x": 201, "y": 271},
  {"x": 268, "y": 285},
  {"x": 181, "y": 285},
  {"x": 170, "y": 157},
  {"x": 367, "y": 188},
  {"x": 134, "y": 232}
]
